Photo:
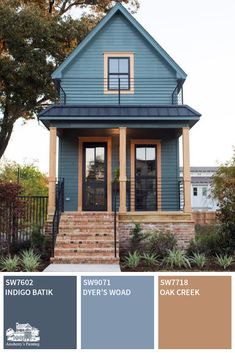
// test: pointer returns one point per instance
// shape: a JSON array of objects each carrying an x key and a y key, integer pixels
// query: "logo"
[{"x": 23, "y": 333}]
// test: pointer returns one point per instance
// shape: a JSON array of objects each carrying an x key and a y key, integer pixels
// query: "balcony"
[{"x": 120, "y": 91}]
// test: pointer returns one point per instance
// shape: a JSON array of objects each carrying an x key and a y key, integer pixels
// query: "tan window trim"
[
  {"x": 157, "y": 143},
  {"x": 108, "y": 140},
  {"x": 119, "y": 54}
]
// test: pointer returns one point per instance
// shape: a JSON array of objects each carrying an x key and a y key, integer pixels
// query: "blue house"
[{"x": 118, "y": 124}]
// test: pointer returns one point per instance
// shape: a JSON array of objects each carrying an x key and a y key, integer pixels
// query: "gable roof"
[{"x": 57, "y": 74}]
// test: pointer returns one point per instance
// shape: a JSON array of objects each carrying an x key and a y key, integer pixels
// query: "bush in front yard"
[
  {"x": 159, "y": 243},
  {"x": 210, "y": 244}
]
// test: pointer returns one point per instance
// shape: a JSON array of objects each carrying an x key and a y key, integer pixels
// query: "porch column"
[
  {"x": 186, "y": 171},
  {"x": 122, "y": 169},
  {"x": 52, "y": 170}
]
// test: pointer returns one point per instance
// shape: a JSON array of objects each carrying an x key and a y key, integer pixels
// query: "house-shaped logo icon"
[{"x": 23, "y": 333}]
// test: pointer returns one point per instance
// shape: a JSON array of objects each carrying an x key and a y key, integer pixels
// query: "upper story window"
[
  {"x": 119, "y": 73},
  {"x": 194, "y": 191}
]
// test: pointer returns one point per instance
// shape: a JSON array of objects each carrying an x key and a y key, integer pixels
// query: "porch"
[{"x": 128, "y": 170}]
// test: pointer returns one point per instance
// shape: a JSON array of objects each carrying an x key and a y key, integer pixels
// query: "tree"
[
  {"x": 223, "y": 189},
  {"x": 35, "y": 37},
  {"x": 32, "y": 182}
]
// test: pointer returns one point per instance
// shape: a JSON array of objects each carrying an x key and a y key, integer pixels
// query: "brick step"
[
  {"x": 86, "y": 227},
  {"x": 81, "y": 244},
  {"x": 85, "y": 236},
  {"x": 89, "y": 224},
  {"x": 84, "y": 252},
  {"x": 85, "y": 260}
]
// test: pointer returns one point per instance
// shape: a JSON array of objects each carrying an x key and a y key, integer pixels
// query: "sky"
[{"x": 200, "y": 37}]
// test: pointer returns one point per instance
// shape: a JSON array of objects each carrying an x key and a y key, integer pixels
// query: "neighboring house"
[
  {"x": 121, "y": 112},
  {"x": 201, "y": 178}
]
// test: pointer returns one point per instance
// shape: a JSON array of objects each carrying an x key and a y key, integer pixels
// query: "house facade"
[{"x": 118, "y": 124}]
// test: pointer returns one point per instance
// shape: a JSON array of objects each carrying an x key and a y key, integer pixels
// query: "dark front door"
[
  {"x": 145, "y": 178},
  {"x": 95, "y": 177}
]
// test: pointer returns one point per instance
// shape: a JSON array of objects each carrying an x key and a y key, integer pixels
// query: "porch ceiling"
[{"x": 173, "y": 116}]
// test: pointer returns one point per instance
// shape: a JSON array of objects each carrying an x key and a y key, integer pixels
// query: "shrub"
[
  {"x": 224, "y": 261},
  {"x": 150, "y": 259},
  {"x": 30, "y": 261},
  {"x": 10, "y": 264},
  {"x": 198, "y": 259},
  {"x": 159, "y": 243},
  {"x": 210, "y": 244},
  {"x": 137, "y": 238},
  {"x": 176, "y": 258},
  {"x": 37, "y": 239},
  {"x": 132, "y": 260}
]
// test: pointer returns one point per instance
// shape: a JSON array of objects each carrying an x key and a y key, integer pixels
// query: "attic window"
[{"x": 119, "y": 72}]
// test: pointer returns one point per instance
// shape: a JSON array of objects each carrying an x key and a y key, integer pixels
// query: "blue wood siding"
[
  {"x": 118, "y": 35},
  {"x": 170, "y": 175},
  {"x": 68, "y": 169}
]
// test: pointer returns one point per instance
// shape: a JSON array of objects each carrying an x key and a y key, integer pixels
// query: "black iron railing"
[
  {"x": 149, "y": 194},
  {"x": 20, "y": 218},
  {"x": 115, "y": 193},
  {"x": 141, "y": 91},
  {"x": 59, "y": 208}
]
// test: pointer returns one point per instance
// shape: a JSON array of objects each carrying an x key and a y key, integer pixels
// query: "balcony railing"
[{"x": 141, "y": 91}]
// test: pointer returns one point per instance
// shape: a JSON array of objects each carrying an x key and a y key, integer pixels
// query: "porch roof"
[{"x": 154, "y": 114}]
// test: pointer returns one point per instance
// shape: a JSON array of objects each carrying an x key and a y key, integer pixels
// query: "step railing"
[{"x": 59, "y": 208}]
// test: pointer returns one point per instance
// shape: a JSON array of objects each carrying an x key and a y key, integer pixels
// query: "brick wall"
[{"x": 184, "y": 231}]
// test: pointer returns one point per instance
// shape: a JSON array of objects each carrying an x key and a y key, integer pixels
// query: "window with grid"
[{"x": 119, "y": 73}]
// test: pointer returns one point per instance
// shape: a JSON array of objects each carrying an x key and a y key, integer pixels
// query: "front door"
[
  {"x": 95, "y": 177},
  {"x": 145, "y": 178}
]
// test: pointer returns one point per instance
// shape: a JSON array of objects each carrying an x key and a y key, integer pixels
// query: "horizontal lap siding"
[
  {"x": 68, "y": 169},
  {"x": 118, "y": 36},
  {"x": 170, "y": 175}
]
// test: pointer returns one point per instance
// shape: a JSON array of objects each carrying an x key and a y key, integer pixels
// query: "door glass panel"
[
  {"x": 94, "y": 180},
  {"x": 90, "y": 163},
  {"x": 99, "y": 163},
  {"x": 145, "y": 178}
]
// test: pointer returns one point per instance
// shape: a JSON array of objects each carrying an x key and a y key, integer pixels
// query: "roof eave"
[{"x": 180, "y": 74}]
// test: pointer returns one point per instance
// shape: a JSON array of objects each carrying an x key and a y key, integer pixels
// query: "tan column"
[
  {"x": 186, "y": 171},
  {"x": 122, "y": 169},
  {"x": 52, "y": 170}
]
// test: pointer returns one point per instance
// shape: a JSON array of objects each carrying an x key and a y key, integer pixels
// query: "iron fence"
[{"x": 20, "y": 218}]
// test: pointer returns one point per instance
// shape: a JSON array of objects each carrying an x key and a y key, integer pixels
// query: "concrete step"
[{"x": 84, "y": 260}]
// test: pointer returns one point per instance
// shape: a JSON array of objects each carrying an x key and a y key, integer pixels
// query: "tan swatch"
[{"x": 195, "y": 312}]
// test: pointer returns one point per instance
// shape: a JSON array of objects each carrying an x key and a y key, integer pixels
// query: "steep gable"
[{"x": 135, "y": 38}]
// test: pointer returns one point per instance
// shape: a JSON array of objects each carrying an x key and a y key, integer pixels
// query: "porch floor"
[{"x": 82, "y": 268}]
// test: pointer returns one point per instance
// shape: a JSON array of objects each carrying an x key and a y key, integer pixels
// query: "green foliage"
[
  {"x": 224, "y": 261},
  {"x": 137, "y": 237},
  {"x": 37, "y": 239},
  {"x": 198, "y": 259},
  {"x": 132, "y": 260},
  {"x": 30, "y": 261},
  {"x": 210, "y": 244},
  {"x": 150, "y": 259},
  {"x": 35, "y": 37},
  {"x": 159, "y": 243},
  {"x": 223, "y": 190},
  {"x": 176, "y": 258},
  {"x": 10, "y": 264},
  {"x": 32, "y": 182}
]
